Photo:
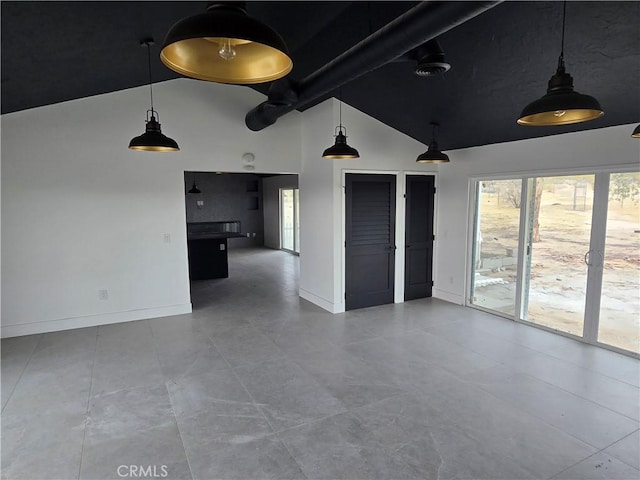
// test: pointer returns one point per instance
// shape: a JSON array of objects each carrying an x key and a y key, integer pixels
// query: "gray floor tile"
[
  {"x": 214, "y": 405},
  {"x": 136, "y": 426},
  {"x": 204, "y": 393},
  {"x": 52, "y": 377},
  {"x": 43, "y": 445},
  {"x": 124, "y": 412},
  {"x": 125, "y": 358},
  {"x": 158, "y": 451},
  {"x": 184, "y": 350},
  {"x": 286, "y": 394},
  {"x": 349, "y": 379},
  {"x": 264, "y": 459},
  {"x": 247, "y": 345},
  {"x": 339, "y": 447},
  {"x": 444, "y": 354},
  {"x": 218, "y": 321},
  {"x": 585, "y": 420},
  {"x": 618, "y": 396},
  {"x": 627, "y": 449},
  {"x": 611, "y": 364},
  {"x": 501, "y": 427},
  {"x": 389, "y": 357},
  {"x": 15, "y": 353},
  {"x": 600, "y": 467},
  {"x": 516, "y": 332},
  {"x": 79, "y": 339}
]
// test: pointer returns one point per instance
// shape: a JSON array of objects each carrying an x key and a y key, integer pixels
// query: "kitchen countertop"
[{"x": 215, "y": 235}]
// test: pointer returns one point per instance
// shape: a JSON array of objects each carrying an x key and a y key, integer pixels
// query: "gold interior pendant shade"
[
  {"x": 433, "y": 153},
  {"x": 561, "y": 105},
  {"x": 152, "y": 140},
  {"x": 636, "y": 132},
  {"x": 340, "y": 150},
  {"x": 225, "y": 45}
]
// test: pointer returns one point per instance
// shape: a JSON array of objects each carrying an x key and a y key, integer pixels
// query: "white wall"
[
  {"x": 606, "y": 148},
  {"x": 382, "y": 150},
  {"x": 271, "y": 206},
  {"x": 316, "y": 208},
  {"x": 82, "y": 213}
]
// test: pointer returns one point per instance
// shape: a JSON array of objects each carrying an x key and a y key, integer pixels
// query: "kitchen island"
[{"x": 207, "y": 243}]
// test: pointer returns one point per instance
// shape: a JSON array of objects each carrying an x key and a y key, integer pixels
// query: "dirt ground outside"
[{"x": 558, "y": 275}]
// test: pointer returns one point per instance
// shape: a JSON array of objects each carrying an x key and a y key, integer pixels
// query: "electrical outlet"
[
  {"x": 103, "y": 295},
  {"x": 167, "y": 238}
]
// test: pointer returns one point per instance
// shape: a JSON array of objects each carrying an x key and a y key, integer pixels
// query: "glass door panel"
[
  {"x": 559, "y": 215},
  {"x": 290, "y": 219},
  {"x": 287, "y": 219},
  {"x": 296, "y": 217},
  {"x": 619, "y": 323},
  {"x": 495, "y": 254}
]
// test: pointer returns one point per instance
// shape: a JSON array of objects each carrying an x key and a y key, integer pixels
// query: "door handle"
[{"x": 599, "y": 258}]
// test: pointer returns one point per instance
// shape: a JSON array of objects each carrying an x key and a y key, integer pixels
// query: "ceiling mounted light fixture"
[
  {"x": 636, "y": 132},
  {"x": 433, "y": 154},
  {"x": 561, "y": 105},
  {"x": 225, "y": 45},
  {"x": 152, "y": 140},
  {"x": 340, "y": 150}
]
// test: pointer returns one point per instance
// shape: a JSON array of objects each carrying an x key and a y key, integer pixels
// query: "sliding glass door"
[
  {"x": 557, "y": 233},
  {"x": 495, "y": 257},
  {"x": 619, "y": 313},
  {"x": 289, "y": 220},
  {"x": 561, "y": 252}
]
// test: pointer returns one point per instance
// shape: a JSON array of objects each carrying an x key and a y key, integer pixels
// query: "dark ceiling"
[{"x": 501, "y": 60}]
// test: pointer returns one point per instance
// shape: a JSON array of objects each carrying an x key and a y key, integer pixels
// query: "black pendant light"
[
  {"x": 194, "y": 188},
  {"x": 561, "y": 105},
  {"x": 340, "y": 150},
  {"x": 636, "y": 132},
  {"x": 152, "y": 140},
  {"x": 433, "y": 154},
  {"x": 225, "y": 45}
]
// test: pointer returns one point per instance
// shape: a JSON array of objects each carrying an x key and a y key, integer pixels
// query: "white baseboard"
[
  {"x": 92, "y": 320},
  {"x": 319, "y": 301},
  {"x": 448, "y": 296}
]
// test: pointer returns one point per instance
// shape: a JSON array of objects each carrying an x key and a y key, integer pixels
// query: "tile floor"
[{"x": 258, "y": 384}]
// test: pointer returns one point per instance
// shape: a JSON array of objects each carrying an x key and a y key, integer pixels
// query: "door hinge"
[
  {"x": 432, "y": 283},
  {"x": 433, "y": 237},
  {"x": 434, "y": 190},
  {"x": 404, "y": 196}
]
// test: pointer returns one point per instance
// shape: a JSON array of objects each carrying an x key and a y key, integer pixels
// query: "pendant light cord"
[
  {"x": 340, "y": 107},
  {"x": 150, "y": 82},
  {"x": 564, "y": 16}
]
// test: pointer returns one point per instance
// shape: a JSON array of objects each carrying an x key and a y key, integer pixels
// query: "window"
[{"x": 562, "y": 252}]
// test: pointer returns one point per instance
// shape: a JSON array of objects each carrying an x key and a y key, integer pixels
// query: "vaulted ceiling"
[{"x": 501, "y": 60}]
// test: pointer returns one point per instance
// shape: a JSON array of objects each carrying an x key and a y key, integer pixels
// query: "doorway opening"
[{"x": 232, "y": 222}]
